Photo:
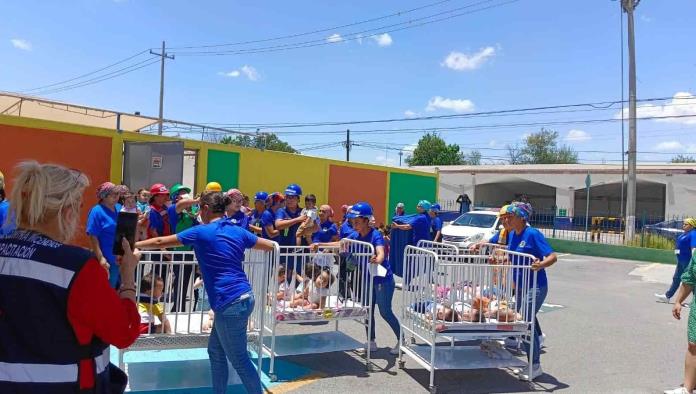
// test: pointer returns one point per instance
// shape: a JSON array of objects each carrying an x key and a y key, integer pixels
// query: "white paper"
[
  {"x": 378, "y": 270},
  {"x": 676, "y": 251}
]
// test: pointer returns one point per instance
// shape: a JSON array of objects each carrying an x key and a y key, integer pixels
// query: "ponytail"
[{"x": 216, "y": 201}]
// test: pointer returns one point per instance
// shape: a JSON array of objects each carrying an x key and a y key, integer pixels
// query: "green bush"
[{"x": 652, "y": 241}]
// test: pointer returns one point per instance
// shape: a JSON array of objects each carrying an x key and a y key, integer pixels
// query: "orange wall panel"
[
  {"x": 89, "y": 154},
  {"x": 348, "y": 185}
]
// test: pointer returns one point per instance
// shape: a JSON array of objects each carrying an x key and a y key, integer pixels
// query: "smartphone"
[{"x": 125, "y": 228}]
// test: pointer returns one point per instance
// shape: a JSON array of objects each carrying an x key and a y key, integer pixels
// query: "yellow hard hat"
[{"x": 213, "y": 187}]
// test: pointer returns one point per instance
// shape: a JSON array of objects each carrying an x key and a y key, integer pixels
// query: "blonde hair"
[{"x": 42, "y": 192}]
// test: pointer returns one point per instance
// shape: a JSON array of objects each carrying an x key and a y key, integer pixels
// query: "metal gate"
[{"x": 147, "y": 163}]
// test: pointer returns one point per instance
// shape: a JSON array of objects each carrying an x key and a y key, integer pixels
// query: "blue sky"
[{"x": 528, "y": 53}]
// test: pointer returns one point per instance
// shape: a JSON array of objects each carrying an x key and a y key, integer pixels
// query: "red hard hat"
[{"x": 158, "y": 188}]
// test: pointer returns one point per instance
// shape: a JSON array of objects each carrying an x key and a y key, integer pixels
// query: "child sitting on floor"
[
  {"x": 311, "y": 223},
  {"x": 314, "y": 294},
  {"x": 152, "y": 317}
]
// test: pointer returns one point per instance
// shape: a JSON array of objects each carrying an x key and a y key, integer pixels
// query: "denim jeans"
[
  {"x": 527, "y": 305},
  {"x": 382, "y": 294},
  {"x": 676, "y": 280},
  {"x": 183, "y": 275},
  {"x": 228, "y": 341}
]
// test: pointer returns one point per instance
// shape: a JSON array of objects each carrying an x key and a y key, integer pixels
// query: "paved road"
[{"x": 610, "y": 337}]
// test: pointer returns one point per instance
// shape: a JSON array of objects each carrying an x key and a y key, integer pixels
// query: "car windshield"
[{"x": 475, "y": 220}]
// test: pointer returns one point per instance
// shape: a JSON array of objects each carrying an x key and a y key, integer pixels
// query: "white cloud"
[
  {"x": 230, "y": 74},
  {"x": 21, "y": 44},
  {"x": 382, "y": 159},
  {"x": 359, "y": 38},
  {"x": 334, "y": 38},
  {"x": 578, "y": 136},
  {"x": 492, "y": 143},
  {"x": 383, "y": 40},
  {"x": 455, "y": 105},
  {"x": 646, "y": 18},
  {"x": 409, "y": 148},
  {"x": 250, "y": 73},
  {"x": 680, "y": 109},
  {"x": 666, "y": 146},
  {"x": 466, "y": 62},
  {"x": 410, "y": 114}
]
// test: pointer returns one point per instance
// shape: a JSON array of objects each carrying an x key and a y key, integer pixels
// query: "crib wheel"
[
  {"x": 274, "y": 377},
  {"x": 413, "y": 340},
  {"x": 402, "y": 364}
]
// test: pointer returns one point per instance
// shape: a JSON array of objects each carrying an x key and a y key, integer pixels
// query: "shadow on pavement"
[{"x": 483, "y": 381}]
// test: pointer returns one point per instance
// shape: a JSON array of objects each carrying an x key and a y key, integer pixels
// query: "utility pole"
[
  {"x": 348, "y": 145},
  {"x": 164, "y": 56},
  {"x": 629, "y": 6},
  {"x": 401, "y": 153}
]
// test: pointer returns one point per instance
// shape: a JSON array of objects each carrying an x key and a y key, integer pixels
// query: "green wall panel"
[
  {"x": 410, "y": 189},
  {"x": 223, "y": 167}
]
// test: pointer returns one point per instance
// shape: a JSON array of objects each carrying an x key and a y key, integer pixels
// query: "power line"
[
  {"x": 87, "y": 74},
  {"x": 352, "y": 36},
  {"x": 323, "y": 30}
]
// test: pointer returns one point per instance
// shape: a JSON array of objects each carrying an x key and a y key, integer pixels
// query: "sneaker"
[
  {"x": 395, "y": 350},
  {"x": 662, "y": 298},
  {"x": 678, "y": 390},
  {"x": 541, "y": 340},
  {"x": 536, "y": 372}
]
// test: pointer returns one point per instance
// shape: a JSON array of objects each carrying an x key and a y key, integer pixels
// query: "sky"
[{"x": 482, "y": 56}]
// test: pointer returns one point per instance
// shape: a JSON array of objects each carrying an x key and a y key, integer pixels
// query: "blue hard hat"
[
  {"x": 260, "y": 196},
  {"x": 293, "y": 189},
  {"x": 425, "y": 204},
  {"x": 360, "y": 210},
  {"x": 435, "y": 207}
]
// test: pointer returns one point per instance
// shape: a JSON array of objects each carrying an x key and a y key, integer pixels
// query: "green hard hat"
[{"x": 176, "y": 188}]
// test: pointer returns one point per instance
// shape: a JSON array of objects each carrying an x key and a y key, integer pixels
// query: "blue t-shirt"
[
  {"x": 157, "y": 219},
  {"x": 101, "y": 223},
  {"x": 287, "y": 236},
  {"x": 375, "y": 238},
  {"x": 219, "y": 247},
  {"x": 255, "y": 218},
  {"x": 327, "y": 230},
  {"x": 533, "y": 242},
  {"x": 436, "y": 225},
  {"x": 268, "y": 219},
  {"x": 239, "y": 219},
  {"x": 143, "y": 206},
  {"x": 685, "y": 242},
  {"x": 6, "y": 228},
  {"x": 346, "y": 229},
  {"x": 421, "y": 227}
]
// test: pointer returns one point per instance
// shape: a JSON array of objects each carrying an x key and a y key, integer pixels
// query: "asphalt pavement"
[{"x": 605, "y": 334}]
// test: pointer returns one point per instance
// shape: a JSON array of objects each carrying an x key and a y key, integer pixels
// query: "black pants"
[{"x": 179, "y": 274}]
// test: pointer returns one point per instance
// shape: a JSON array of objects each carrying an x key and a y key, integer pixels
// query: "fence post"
[{"x": 642, "y": 231}]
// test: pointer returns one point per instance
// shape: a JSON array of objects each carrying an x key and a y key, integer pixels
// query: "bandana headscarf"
[
  {"x": 690, "y": 221},
  {"x": 327, "y": 207},
  {"x": 105, "y": 189},
  {"x": 235, "y": 195},
  {"x": 520, "y": 209}
]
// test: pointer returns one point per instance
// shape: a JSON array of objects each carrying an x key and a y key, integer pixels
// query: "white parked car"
[{"x": 470, "y": 228}]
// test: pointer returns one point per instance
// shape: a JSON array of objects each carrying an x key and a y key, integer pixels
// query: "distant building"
[{"x": 664, "y": 190}]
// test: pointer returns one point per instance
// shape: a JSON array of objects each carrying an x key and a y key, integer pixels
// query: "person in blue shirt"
[
  {"x": 383, "y": 290},
  {"x": 289, "y": 218},
  {"x": 686, "y": 242},
  {"x": 234, "y": 212},
  {"x": 327, "y": 231},
  {"x": 6, "y": 225},
  {"x": 420, "y": 223},
  {"x": 182, "y": 215},
  {"x": 259, "y": 208},
  {"x": 219, "y": 247},
  {"x": 436, "y": 223},
  {"x": 529, "y": 240},
  {"x": 346, "y": 228},
  {"x": 268, "y": 228},
  {"x": 101, "y": 229}
]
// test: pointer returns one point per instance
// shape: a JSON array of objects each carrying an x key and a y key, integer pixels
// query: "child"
[
  {"x": 314, "y": 295},
  {"x": 149, "y": 307},
  {"x": 311, "y": 224},
  {"x": 129, "y": 203}
]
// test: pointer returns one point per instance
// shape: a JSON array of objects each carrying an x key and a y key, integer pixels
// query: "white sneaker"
[
  {"x": 678, "y": 390},
  {"x": 395, "y": 350},
  {"x": 662, "y": 298},
  {"x": 536, "y": 372},
  {"x": 541, "y": 340}
]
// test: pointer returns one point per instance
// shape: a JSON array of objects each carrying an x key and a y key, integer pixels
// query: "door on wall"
[{"x": 147, "y": 163}]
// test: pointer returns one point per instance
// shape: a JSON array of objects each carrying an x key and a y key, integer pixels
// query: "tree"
[
  {"x": 683, "y": 159},
  {"x": 267, "y": 141},
  {"x": 542, "y": 148},
  {"x": 432, "y": 150}
]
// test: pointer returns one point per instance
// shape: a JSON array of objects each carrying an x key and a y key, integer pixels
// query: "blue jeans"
[
  {"x": 676, "y": 280},
  {"x": 527, "y": 304},
  {"x": 382, "y": 294},
  {"x": 228, "y": 341}
]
